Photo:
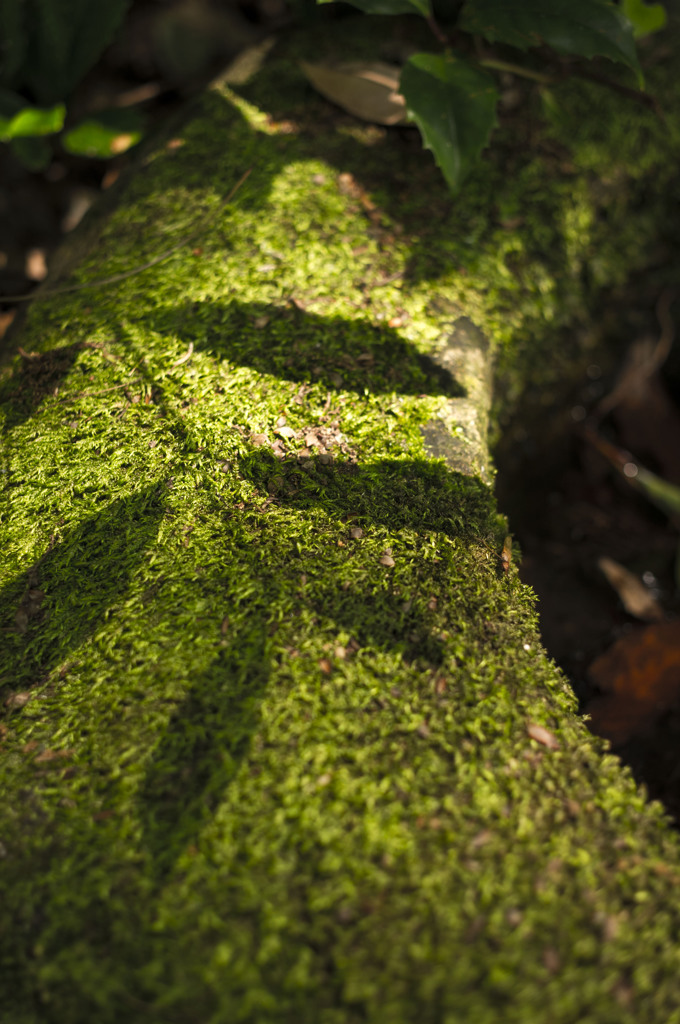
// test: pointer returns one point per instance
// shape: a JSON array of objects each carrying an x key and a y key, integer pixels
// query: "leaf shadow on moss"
[
  {"x": 36, "y": 377},
  {"x": 324, "y": 349},
  {"x": 211, "y": 728},
  {"x": 50, "y": 609},
  {"x": 210, "y": 731}
]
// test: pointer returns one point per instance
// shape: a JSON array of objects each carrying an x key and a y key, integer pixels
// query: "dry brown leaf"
[
  {"x": 640, "y": 678},
  {"x": 5, "y": 320},
  {"x": 635, "y": 597},
  {"x": 506, "y": 554},
  {"x": 542, "y": 735},
  {"x": 52, "y": 755},
  {"x": 481, "y": 839},
  {"x": 247, "y": 63},
  {"x": 17, "y": 700},
  {"x": 367, "y": 89},
  {"x": 35, "y": 267}
]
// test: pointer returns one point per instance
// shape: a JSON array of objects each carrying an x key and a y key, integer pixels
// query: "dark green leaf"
[
  {"x": 454, "y": 106},
  {"x": 65, "y": 38},
  {"x": 31, "y": 121},
  {"x": 389, "y": 6},
  {"x": 445, "y": 12},
  {"x": 10, "y": 103},
  {"x": 588, "y": 28},
  {"x": 34, "y": 153},
  {"x": 13, "y": 40}
]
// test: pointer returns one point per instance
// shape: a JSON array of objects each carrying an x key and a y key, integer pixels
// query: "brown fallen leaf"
[
  {"x": 506, "y": 554},
  {"x": 640, "y": 679},
  {"x": 5, "y": 320},
  {"x": 635, "y": 597},
  {"x": 551, "y": 960},
  {"x": 481, "y": 839},
  {"x": 36, "y": 265},
  {"x": 542, "y": 735},
  {"x": 53, "y": 755},
  {"x": 646, "y": 417},
  {"x": 17, "y": 700},
  {"x": 367, "y": 89}
]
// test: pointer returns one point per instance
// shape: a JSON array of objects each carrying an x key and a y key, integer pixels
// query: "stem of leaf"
[
  {"x": 516, "y": 69},
  {"x": 632, "y": 94},
  {"x": 580, "y": 72},
  {"x": 437, "y": 30}
]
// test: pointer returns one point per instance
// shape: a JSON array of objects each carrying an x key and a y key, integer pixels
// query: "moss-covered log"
[{"x": 280, "y": 743}]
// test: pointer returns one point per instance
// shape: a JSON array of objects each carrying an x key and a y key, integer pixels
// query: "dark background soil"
[{"x": 568, "y": 507}]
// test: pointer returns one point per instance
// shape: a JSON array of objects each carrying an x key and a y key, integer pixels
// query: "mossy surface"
[{"x": 266, "y": 751}]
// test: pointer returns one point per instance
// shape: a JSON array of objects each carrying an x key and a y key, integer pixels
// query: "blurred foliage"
[
  {"x": 46, "y": 48},
  {"x": 452, "y": 96}
]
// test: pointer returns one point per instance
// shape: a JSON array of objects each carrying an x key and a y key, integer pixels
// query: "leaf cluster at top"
[{"x": 453, "y": 99}]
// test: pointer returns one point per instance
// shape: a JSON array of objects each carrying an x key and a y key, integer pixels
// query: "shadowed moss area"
[{"x": 267, "y": 690}]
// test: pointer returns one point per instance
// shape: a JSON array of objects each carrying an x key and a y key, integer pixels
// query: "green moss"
[{"x": 265, "y": 754}]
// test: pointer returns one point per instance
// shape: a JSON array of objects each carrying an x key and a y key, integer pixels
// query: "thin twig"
[
  {"x": 625, "y": 90},
  {"x": 572, "y": 69},
  {"x": 436, "y": 29},
  {"x": 48, "y": 293},
  {"x": 517, "y": 69}
]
